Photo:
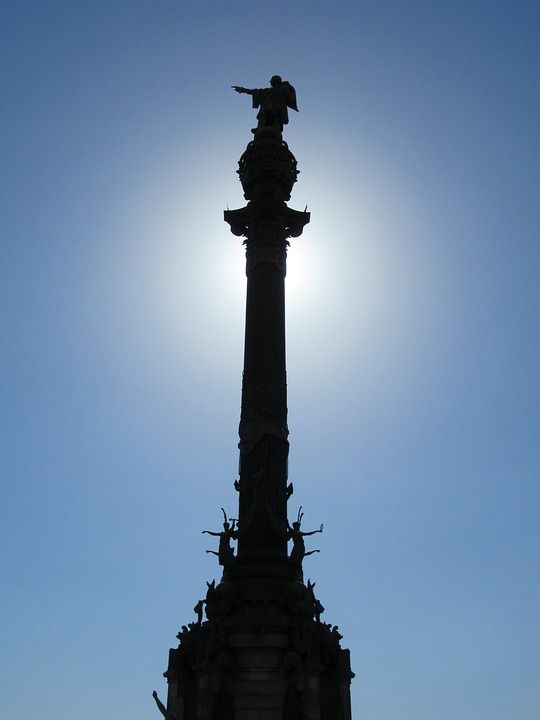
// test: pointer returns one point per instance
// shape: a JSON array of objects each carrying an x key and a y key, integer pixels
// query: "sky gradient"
[{"x": 413, "y": 340}]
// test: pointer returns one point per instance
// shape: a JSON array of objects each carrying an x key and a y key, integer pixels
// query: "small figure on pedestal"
[
  {"x": 198, "y": 609},
  {"x": 317, "y": 608}
]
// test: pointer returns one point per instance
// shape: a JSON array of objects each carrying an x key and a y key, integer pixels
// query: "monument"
[{"x": 257, "y": 648}]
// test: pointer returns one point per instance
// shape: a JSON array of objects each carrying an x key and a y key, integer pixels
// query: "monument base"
[{"x": 262, "y": 654}]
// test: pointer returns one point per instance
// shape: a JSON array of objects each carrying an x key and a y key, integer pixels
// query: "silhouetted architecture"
[{"x": 262, "y": 653}]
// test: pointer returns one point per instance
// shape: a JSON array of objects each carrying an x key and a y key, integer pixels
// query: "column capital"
[{"x": 268, "y": 171}]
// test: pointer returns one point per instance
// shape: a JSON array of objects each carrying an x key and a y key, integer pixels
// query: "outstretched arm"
[
  {"x": 314, "y": 532},
  {"x": 210, "y": 532},
  {"x": 240, "y": 89}
]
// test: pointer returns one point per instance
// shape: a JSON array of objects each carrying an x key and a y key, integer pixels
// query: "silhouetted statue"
[
  {"x": 318, "y": 610},
  {"x": 210, "y": 595},
  {"x": 298, "y": 552},
  {"x": 272, "y": 103},
  {"x": 225, "y": 552},
  {"x": 316, "y": 607},
  {"x": 198, "y": 609}
]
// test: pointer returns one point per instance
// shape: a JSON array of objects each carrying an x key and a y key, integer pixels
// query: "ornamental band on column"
[{"x": 262, "y": 651}]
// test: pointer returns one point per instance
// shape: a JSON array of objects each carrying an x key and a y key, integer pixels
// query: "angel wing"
[{"x": 291, "y": 95}]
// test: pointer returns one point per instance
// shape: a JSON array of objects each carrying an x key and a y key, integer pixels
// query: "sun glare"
[{"x": 299, "y": 272}]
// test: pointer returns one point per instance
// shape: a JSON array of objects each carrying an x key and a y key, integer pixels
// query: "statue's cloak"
[{"x": 273, "y": 103}]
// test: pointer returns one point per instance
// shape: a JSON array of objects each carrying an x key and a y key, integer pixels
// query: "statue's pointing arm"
[
  {"x": 240, "y": 89},
  {"x": 256, "y": 94}
]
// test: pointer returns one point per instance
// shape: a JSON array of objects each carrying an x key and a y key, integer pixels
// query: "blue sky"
[{"x": 413, "y": 340}]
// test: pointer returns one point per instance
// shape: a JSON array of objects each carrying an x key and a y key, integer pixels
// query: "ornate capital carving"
[
  {"x": 266, "y": 223},
  {"x": 268, "y": 171},
  {"x": 260, "y": 254},
  {"x": 266, "y": 165}
]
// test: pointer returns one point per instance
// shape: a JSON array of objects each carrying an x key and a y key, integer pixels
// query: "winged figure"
[{"x": 272, "y": 102}]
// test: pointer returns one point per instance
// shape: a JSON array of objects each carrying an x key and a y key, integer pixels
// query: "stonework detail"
[
  {"x": 266, "y": 254},
  {"x": 268, "y": 171},
  {"x": 261, "y": 653}
]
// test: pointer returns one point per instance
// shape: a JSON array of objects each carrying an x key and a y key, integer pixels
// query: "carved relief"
[
  {"x": 268, "y": 171},
  {"x": 263, "y": 406},
  {"x": 268, "y": 163}
]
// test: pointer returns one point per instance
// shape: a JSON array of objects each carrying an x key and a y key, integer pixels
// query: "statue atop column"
[
  {"x": 268, "y": 171},
  {"x": 273, "y": 104}
]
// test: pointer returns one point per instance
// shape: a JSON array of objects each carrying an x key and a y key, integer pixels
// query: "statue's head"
[
  {"x": 226, "y": 525},
  {"x": 296, "y": 526},
  {"x": 275, "y": 80}
]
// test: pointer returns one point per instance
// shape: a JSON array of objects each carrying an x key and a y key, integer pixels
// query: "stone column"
[{"x": 267, "y": 172}]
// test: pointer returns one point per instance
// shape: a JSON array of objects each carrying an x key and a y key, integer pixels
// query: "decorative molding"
[{"x": 259, "y": 254}]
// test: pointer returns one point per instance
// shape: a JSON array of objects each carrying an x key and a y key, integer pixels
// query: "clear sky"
[{"x": 413, "y": 340}]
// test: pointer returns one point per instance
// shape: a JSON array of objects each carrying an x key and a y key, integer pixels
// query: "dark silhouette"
[
  {"x": 272, "y": 103},
  {"x": 198, "y": 609},
  {"x": 317, "y": 608},
  {"x": 225, "y": 552},
  {"x": 262, "y": 650},
  {"x": 298, "y": 552},
  {"x": 167, "y": 714}
]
